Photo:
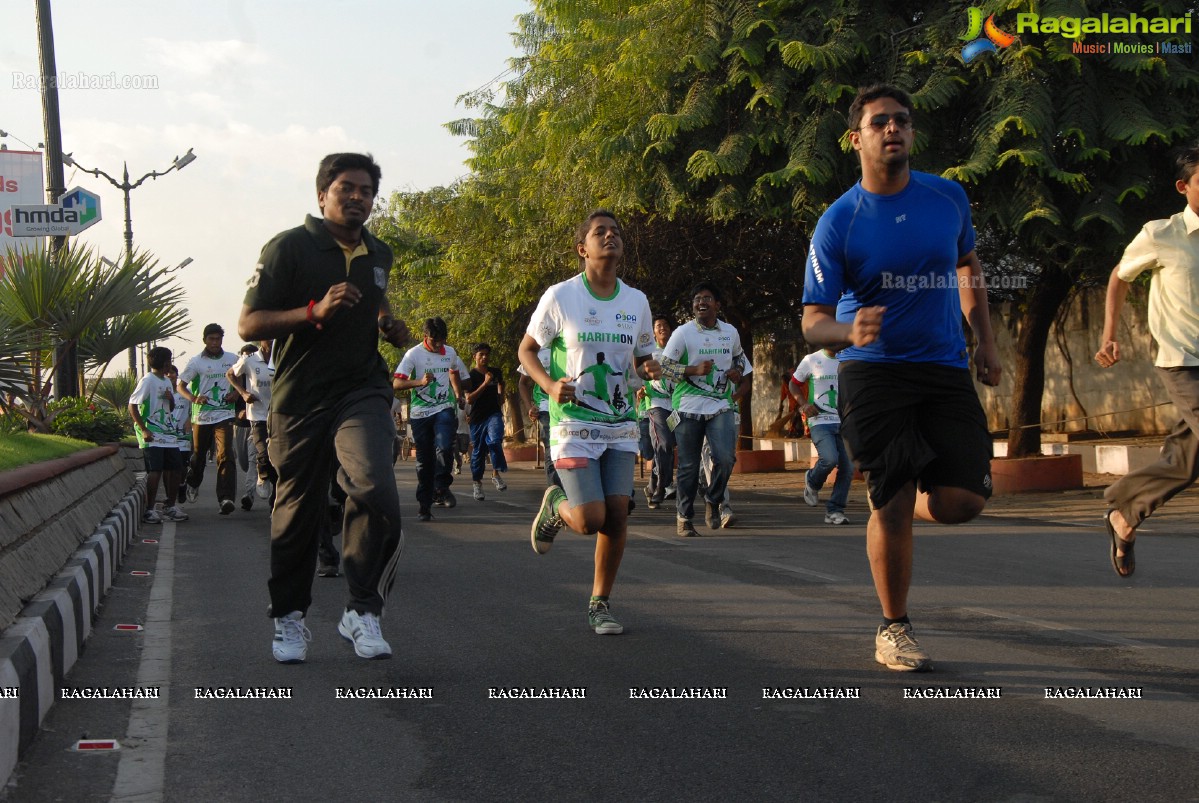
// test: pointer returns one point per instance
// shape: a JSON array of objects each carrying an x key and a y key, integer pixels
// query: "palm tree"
[{"x": 75, "y": 298}]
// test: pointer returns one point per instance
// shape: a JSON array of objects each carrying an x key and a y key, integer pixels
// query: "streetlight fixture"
[{"x": 126, "y": 187}]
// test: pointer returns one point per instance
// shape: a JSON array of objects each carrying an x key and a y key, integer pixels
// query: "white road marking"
[{"x": 141, "y": 773}]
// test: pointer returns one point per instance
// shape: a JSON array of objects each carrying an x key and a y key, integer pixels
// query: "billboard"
[{"x": 22, "y": 181}]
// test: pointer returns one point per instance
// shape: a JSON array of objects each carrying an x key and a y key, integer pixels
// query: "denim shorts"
[{"x": 610, "y": 475}]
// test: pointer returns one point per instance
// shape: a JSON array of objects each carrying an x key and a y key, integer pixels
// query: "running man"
[{"x": 909, "y": 412}]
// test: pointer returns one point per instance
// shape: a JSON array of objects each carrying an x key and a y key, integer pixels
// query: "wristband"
[{"x": 312, "y": 318}]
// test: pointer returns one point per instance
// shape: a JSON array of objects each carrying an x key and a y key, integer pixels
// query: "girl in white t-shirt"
[{"x": 599, "y": 332}]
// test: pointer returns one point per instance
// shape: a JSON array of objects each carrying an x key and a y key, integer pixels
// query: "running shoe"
[
  {"x": 500, "y": 485},
  {"x": 444, "y": 498},
  {"x": 175, "y": 513},
  {"x": 896, "y": 648},
  {"x": 727, "y": 517},
  {"x": 362, "y": 630},
  {"x": 836, "y": 517},
  {"x": 652, "y": 500},
  {"x": 152, "y": 516},
  {"x": 226, "y": 507},
  {"x": 811, "y": 496},
  {"x": 291, "y": 639},
  {"x": 547, "y": 523},
  {"x": 478, "y": 491},
  {"x": 264, "y": 489},
  {"x": 328, "y": 570},
  {"x": 712, "y": 514},
  {"x": 669, "y": 492},
  {"x": 686, "y": 529},
  {"x": 192, "y": 493},
  {"x": 599, "y": 616}
]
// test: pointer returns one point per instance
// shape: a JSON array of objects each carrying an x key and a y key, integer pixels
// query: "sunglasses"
[{"x": 903, "y": 121}]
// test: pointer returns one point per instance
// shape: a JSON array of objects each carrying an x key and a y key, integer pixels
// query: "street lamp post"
[{"x": 126, "y": 187}]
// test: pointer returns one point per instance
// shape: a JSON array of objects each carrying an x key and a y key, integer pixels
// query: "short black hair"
[
  {"x": 436, "y": 329},
  {"x": 711, "y": 288},
  {"x": 335, "y": 164},
  {"x": 1187, "y": 163},
  {"x": 159, "y": 358},
  {"x": 662, "y": 316},
  {"x": 873, "y": 92},
  {"x": 482, "y": 347},
  {"x": 213, "y": 329}
]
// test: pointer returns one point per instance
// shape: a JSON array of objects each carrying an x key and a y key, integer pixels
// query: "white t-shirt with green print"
[
  {"x": 154, "y": 399},
  {"x": 593, "y": 343},
  {"x": 438, "y": 395},
  {"x": 205, "y": 376},
  {"x": 691, "y": 344}
]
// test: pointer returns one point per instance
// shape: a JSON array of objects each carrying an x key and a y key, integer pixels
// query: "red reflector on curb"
[
  {"x": 90, "y": 745},
  {"x": 149, "y": 540},
  {"x": 140, "y": 574},
  {"x": 133, "y": 628}
]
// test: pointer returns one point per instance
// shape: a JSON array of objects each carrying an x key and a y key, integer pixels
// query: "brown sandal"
[{"x": 1125, "y": 564}]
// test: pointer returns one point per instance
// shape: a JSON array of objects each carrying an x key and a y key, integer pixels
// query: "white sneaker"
[
  {"x": 478, "y": 492},
  {"x": 500, "y": 485},
  {"x": 264, "y": 489},
  {"x": 175, "y": 513},
  {"x": 193, "y": 493},
  {"x": 152, "y": 516},
  {"x": 291, "y": 639},
  {"x": 727, "y": 517},
  {"x": 836, "y": 517},
  {"x": 811, "y": 496},
  {"x": 669, "y": 492},
  {"x": 362, "y": 630}
]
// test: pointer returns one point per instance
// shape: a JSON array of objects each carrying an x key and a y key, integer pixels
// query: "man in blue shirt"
[{"x": 890, "y": 272}]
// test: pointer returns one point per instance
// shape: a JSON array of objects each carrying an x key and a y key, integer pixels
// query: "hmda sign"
[
  {"x": 21, "y": 182},
  {"x": 76, "y": 210}
]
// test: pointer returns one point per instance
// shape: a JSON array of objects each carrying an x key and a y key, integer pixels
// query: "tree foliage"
[{"x": 716, "y": 130}]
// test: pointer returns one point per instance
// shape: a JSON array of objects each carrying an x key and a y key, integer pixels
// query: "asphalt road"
[{"x": 782, "y": 601}]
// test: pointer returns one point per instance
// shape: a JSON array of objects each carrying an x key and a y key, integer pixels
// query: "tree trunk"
[{"x": 1028, "y": 374}]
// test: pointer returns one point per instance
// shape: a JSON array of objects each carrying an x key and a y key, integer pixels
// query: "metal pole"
[
  {"x": 129, "y": 254},
  {"x": 66, "y": 372}
]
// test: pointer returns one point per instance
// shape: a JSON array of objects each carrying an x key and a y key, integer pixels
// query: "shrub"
[{"x": 79, "y": 418}]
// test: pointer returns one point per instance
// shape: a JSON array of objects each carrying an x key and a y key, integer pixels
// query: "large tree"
[{"x": 717, "y": 129}]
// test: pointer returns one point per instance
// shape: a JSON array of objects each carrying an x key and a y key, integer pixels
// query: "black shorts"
[
  {"x": 162, "y": 458},
  {"x": 922, "y": 422}
]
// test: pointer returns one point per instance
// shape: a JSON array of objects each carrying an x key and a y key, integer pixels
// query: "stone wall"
[
  {"x": 46, "y": 512},
  {"x": 1075, "y": 386}
]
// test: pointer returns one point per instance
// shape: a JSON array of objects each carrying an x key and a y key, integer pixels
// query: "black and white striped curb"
[{"x": 42, "y": 645}]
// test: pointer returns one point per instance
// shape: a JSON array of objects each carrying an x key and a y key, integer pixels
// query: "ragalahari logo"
[{"x": 982, "y": 37}]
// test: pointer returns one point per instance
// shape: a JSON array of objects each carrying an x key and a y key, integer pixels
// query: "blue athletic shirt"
[{"x": 901, "y": 252}]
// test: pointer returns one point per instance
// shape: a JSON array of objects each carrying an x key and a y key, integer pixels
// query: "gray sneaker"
[
  {"x": 547, "y": 523},
  {"x": 712, "y": 515},
  {"x": 445, "y": 498},
  {"x": 477, "y": 492},
  {"x": 811, "y": 496},
  {"x": 192, "y": 493},
  {"x": 896, "y": 648},
  {"x": 500, "y": 485},
  {"x": 599, "y": 616},
  {"x": 836, "y": 517}
]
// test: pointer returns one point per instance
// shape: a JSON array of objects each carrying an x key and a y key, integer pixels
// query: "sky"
[{"x": 261, "y": 90}]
